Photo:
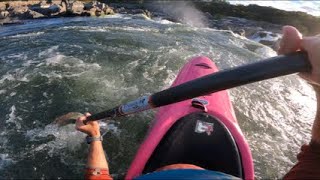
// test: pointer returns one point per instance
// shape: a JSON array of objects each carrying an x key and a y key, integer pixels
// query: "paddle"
[{"x": 258, "y": 71}]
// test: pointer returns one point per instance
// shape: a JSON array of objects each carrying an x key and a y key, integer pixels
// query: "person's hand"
[
  {"x": 92, "y": 128},
  {"x": 293, "y": 41}
]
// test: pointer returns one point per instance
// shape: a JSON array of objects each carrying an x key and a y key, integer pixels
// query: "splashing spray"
[{"x": 183, "y": 11}]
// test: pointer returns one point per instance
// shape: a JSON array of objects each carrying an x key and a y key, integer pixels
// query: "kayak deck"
[
  {"x": 201, "y": 140},
  {"x": 219, "y": 107}
]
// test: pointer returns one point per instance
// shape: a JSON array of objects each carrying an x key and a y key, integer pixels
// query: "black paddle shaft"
[
  {"x": 264, "y": 69},
  {"x": 258, "y": 71}
]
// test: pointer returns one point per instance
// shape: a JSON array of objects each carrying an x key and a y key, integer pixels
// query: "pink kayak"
[{"x": 201, "y": 131}]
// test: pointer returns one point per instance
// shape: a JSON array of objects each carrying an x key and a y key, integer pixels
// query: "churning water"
[{"x": 51, "y": 67}]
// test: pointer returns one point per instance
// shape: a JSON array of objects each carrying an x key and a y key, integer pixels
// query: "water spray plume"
[{"x": 183, "y": 11}]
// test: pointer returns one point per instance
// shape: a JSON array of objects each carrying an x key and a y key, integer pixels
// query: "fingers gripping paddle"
[{"x": 265, "y": 69}]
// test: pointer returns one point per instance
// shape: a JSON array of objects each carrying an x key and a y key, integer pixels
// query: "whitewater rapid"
[{"x": 51, "y": 67}]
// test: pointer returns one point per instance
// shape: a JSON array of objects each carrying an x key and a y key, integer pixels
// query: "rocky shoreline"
[
  {"x": 15, "y": 12},
  {"x": 12, "y": 12}
]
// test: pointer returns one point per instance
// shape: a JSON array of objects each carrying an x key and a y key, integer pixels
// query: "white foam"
[
  {"x": 51, "y": 75},
  {"x": 24, "y": 78},
  {"x": 13, "y": 118},
  {"x": 266, "y": 51},
  {"x": 14, "y": 76},
  {"x": 129, "y": 28},
  {"x": 81, "y": 64},
  {"x": 55, "y": 60},
  {"x": 13, "y": 94},
  {"x": 2, "y": 91},
  {"x": 34, "y": 34},
  {"x": 117, "y": 15},
  {"x": 110, "y": 126},
  {"x": 28, "y": 63},
  {"x": 49, "y": 51},
  {"x": 17, "y": 56},
  {"x": 164, "y": 21},
  {"x": 94, "y": 29},
  {"x": 7, "y": 77},
  {"x": 269, "y": 36},
  {"x": 65, "y": 138}
]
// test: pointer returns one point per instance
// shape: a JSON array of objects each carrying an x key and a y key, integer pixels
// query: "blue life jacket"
[{"x": 186, "y": 174}]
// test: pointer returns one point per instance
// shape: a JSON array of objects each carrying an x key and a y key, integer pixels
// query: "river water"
[{"x": 51, "y": 67}]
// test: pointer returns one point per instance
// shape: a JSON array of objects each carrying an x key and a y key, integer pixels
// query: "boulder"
[
  {"x": 108, "y": 11},
  {"x": 54, "y": 8},
  {"x": 250, "y": 31},
  {"x": 44, "y": 5},
  {"x": 93, "y": 11},
  {"x": 148, "y": 13},
  {"x": 262, "y": 34},
  {"x": 77, "y": 7},
  {"x": 88, "y": 6},
  {"x": 241, "y": 32},
  {"x": 137, "y": 11},
  {"x": 4, "y": 14},
  {"x": 98, "y": 12},
  {"x": 19, "y": 11},
  {"x": 34, "y": 14},
  {"x": 45, "y": 11},
  {"x": 29, "y": 14},
  {"x": 100, "y": 5},
  {"x": 64, "y": 6},
  {"x": 2, "y": 6},
  {"x": 121, "y": 10}
]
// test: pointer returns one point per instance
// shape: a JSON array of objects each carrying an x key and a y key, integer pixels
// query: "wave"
[{"x": 33, "y": 34}]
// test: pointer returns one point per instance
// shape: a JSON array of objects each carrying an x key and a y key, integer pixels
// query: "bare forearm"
[{"x": 96, "y": 157}]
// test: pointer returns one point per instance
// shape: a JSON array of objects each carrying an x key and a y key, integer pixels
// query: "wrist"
[
  {"x": 94, "y": 133},
  {"x": 90, "y": 139}
]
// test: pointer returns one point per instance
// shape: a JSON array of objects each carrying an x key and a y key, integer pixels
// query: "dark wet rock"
[
  {"x": 259, "y": 31},
  {"x": 137, "y": 12},
  {"x": 208, "y": 15},
  {"x": 41, "y": 10},
  {"x": 54, "y": 8},
  {"x": 34, "y": 14},
  {"x": 241, "y": 32},
  {"x": 262, "y": 34},
  {"x": 87, "y": 6},
  {"x": 121, "y": 10},
  {"x": 8, "y": 21}
]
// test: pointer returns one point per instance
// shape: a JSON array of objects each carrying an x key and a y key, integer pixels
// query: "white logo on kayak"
[{"x": 202, "y": 127}]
